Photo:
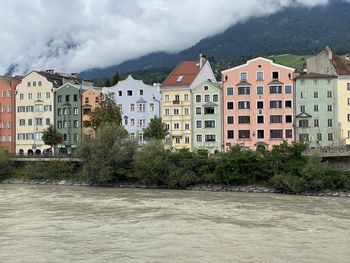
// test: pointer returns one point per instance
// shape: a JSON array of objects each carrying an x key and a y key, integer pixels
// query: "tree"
[
  {"x": 52, "y": 137},
  {"x": 107, "y": 112},
  {"x": 115, "y": 79},
  {"x": 156, "y": 129},
  {"x": 5, "y": 164}
]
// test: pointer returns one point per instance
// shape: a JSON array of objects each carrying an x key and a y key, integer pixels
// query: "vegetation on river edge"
[{"x": 111, "y": 157}]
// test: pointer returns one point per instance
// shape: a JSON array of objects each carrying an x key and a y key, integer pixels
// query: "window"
[
  {"x": 86, "y": 100},
  {"x": 67, "y": 98},
  {"x": 59, "y": 99},
  {"x": 3, "y": 94},
  {"x": 302, "y": 108},
  {"x": 48, "y": 95},
  {"x": 180, "y": 78},
  {"x": 129, "y": 92},
  {"x": 329, "y": 94},
  {"x": 141, "y": 122},
  {"x": 75, "y": 111},
  {"x": 141, "y": 92},
  {"x": 38, "y": 96},
  {"x": 59, "y": 112},
  {"x": 39, "y": 108},
  {"x": 276, "y": 119},
  {"x": 176, "y": 126},
  {"x": 304, "y": 123},
  {"x": 132, "y": 107},
  {"x": 167, "y": 126},
  {"x": 244, "y": 134},
  {"x": 209, "y": 124},
  {"x": 319, "y": 136},
  {"x": 187, "y": 140},
  {"x": 120, "y": 93},
  {"x": 177, "y": 140},
  {"x": 243, "y": 119},
  {"x": 275, "y": 75},
  {"x": 230, "y": 105},
  {"x": 289, "y": 133},
  {"x": 206, "y": 98},
  {"x": 215, "y": 98},
  {"x": 259, "y": 75},
  {"x": 349, "y": 117},
  {"x": 198, "y": 110},
  {"x": 47, "y": 121},
  {"x": 316, "y": 82},
  {"x": 316, "y": 123},
  {"x": 260, "y": 119},
  {"x": 348, "y": 100},
  {"x": 39, "y": 83},
  {"x": 205, "y": 87},
  {"x": 198, "y": 98},
  {"x": 9, "y": 108},
  {"x": 275, "y": 104},
  {"x": 198, "y": 124},
  {"x": 76, "y": 137},
  {"x": 329, "y": 122},
  {"x": 22, "y": 122},
  {"x": 330, "y": 136},
  {"x": 230, "y": 134},
  {"x": 244, "y": 76},
  {"x": 289, "y": 119},
  {"x": 142, "y": 107},
  {"x": 21, "y": 109},
  {"x": 34, "y": 83},
  {"x": 288, "y": 104},
  {"x": 243, "y": 90},
  {"x": 304, "y": 137},
  {"x": 166, "y": 97},
  {"x": 38, "y": 121},
  {"x": 259, "y": 90},
  {"x": 59, "y": 124},
  {"x": 21, "y": 96},
  {"x": 210, "y": 138},
  {"x": 276, "y": 134},
  {"x": 288, "y": 89},
  {"x": 186, "y": 97},
  {"x": 199, "y": 138},
  {"x": 132, "y": 122},
  {"x": 243, "y": 105},
  {"x": 302, "y": 95},
  {"x": 151, "y": 107},
  {"x": 209, "y": 110},
  {"x": 140, "y": 136},
  {"x": 47, "y": 108},
  {"x": 187, "y": 126},
  {"x": 348, "y": 86},
  {"x": 275, "y": 89},
  {"x": 76, "y": 124},
  {"x": 86, "y": 111},
  {"x": 260, "y": 105},
  {"x": 329, "y": 107},
  {"x": 177, "y": 98},
  {"x": 261, "y": 134},
  {"x": 229, "y": 119},
  {"x": 315, "y": 107},
  {"x": 167, "y": 111},
  {"x": 30, "y": 96},
  {"x": 229, "y": 91},
  {"x": 187, "y": 111},
  {"x": 315, "y": 94},
  {"x": 29, "y": 84},
  {"x": 176, "y": 111}
]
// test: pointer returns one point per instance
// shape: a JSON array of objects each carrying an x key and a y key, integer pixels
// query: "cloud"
[{"x": 74, "y": 35}]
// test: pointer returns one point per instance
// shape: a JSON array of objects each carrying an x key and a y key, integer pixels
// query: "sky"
[{"x": 75, "y": 35}]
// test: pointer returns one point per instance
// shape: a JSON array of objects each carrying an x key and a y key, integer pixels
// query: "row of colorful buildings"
[{"x": 257, "y": 104}]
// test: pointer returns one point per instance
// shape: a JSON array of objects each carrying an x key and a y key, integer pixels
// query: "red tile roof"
[
  {"x": 188, "y": 69},
  {"x": 313, "y": 75},
  {"x": 341, "y": 64}
]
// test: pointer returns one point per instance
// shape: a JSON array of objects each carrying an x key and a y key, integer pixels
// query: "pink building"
[{"x": 258, "y": 104}]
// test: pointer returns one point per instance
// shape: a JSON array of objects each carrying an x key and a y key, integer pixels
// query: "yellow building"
[
  {"x": 176, "y": 92},
  {"x": 343, "y": 88}
]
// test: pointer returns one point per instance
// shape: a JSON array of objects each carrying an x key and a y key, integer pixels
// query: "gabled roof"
[
  {"x": 141, "y": 100},
  {"x": 243, "y": 83},
  {"x": 303, "y": 115},
  {"x": 183, "y": 75},
  {"x": 210, "y": 104},
  {"x": 275, "y": 82},
  {"x": 341, "y": 65},
  {"x": 313, "y": 75}
]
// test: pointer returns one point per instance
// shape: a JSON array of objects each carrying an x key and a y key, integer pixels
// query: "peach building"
[
  {"x": 258, "y": 104},
  {"x": 8, "y": 113},
  {"x": 91, "y": 99}
]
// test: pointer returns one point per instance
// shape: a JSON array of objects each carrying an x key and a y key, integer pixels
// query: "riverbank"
[{"x": 200, "y": 187}]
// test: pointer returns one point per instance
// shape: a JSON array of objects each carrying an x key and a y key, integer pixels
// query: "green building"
[
  {"x": 206, "y": 117},
  {"x": 317, "y": 110},
  {"x": 68, "y": 117}
]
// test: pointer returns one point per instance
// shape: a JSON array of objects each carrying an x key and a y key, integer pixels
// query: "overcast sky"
[{"x": 74, "y": 35}]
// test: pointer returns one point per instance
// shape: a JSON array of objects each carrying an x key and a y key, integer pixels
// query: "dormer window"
[
  {"x": 180, "y": 78},
  {"x": 275, "y": 75}
]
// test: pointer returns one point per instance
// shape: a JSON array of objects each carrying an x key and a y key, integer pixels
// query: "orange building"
[
  {"x": 8, "y": 113},
  {"x": 91, "y": 99}
]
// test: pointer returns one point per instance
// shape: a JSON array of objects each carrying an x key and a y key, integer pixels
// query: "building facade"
[
  {"x": 258, "y": 104},
  {"x": 91, "y": 99},
  {"x": 8, "y": 113},
  {"x": 328, "y": 63},
  {"x": 317, "y": 110},
  {"x": 68, "y": 116},
  {"x": 206, "y": 117},
  {"x": 176, "y": 92},
  {"x": 139, "y": 103}
]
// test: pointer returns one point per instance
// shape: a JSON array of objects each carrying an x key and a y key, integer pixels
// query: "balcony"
[{"x": 176, "y": 102}]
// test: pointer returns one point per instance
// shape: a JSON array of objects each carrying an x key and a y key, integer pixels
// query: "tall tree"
[
  {"x": 52, "y": 137},
  {"x": 156, "y": 129},
  {"x": 115, "y": 79},
  {"x": 107, "y": 112}
]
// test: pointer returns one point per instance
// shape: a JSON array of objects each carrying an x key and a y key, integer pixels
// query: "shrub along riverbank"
[{"x": 111, "y": 158}]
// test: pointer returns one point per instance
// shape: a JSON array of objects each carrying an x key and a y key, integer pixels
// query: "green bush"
[{"x": 5, "y": 164}]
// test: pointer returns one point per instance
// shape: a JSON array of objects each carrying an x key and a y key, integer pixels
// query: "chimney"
[
  {"x": 50, "y": 71},
  {"x": 347, "y": 57},
  {"x": 202, "y": 60},
  {"x": 74, "y": 75}
]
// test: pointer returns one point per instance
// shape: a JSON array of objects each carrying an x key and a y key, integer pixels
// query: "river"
[{"x": 86, "y": 224}]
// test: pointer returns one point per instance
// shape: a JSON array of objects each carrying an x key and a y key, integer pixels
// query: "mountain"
[{"x": 297, "y": 30}]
